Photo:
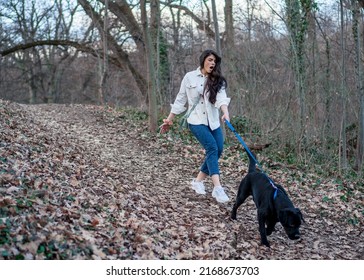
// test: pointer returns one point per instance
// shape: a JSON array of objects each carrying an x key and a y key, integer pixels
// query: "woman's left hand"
[{"x": 225, "y": 116}]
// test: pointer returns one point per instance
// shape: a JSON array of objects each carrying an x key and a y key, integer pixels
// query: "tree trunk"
[
  {"x": 360, "y": 87},
  {"x": 216, "y": 27},
  {"x": 297, "y": 23},
  {"x": 343, "y": 164},
  {"x": 327, "y": 91},
  {"x": 104, "y": 65},
  {"x": 229, "y": 24},
  {"x": 151, "y": 72},
  {"x": 31, "y": 84},
  {"x": 360, "y": 148}
]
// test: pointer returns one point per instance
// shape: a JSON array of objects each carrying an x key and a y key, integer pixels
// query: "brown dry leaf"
[{"x": 74, "y": 182}]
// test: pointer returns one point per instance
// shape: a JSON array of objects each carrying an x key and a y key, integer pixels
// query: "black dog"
[{"x": 270, "y": 209}]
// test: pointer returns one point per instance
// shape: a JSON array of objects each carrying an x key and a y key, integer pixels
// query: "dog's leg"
[
  {"x": 270, "y": 227},
  {"x": 263, "y": 234},
  {"x": 243, "y": 193}
]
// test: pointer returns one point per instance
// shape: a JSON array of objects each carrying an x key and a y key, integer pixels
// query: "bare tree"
[
  {"x": 103, "y": 65},
  {"x": 151, "y": 72},
  {"x": 216, "y": 27},
  {"x": 118, "y": 52},
  {"x": 45, "y": 66},
  {"x": 360, "y": 84},
  {"x": 297, "y": 19},
  {"x": 343, "y": 164},
  {"x": 229, "y": 24}
]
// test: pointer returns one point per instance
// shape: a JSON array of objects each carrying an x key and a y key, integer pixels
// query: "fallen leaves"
[{"x": 82, "y": 182}]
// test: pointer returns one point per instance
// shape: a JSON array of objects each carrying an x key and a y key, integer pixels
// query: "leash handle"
[{"x": 230, "y": 126}]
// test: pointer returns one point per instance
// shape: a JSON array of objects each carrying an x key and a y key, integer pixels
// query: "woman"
[{"x": 204, "y": 87}]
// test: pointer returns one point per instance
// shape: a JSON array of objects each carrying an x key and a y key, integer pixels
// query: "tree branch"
[
  {"x": 200, "y": 23},
  {"x": 66, "y": 43},
  {"x": 22, "y": 47}
]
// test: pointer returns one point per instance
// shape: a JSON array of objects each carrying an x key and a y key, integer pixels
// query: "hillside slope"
[{"x": 83, "y": 182}]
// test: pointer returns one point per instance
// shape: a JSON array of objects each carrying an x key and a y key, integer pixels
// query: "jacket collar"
[{"x": 199, "y": 73}]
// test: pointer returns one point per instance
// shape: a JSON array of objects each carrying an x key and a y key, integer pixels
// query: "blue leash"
[{"x": 251, "y": 155}]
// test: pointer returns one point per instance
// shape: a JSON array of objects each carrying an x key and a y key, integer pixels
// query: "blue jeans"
[{"x": 213, "y": 143}]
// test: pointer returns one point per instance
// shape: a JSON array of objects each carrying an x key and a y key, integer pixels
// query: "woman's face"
[{"x": 209, "y": 64}]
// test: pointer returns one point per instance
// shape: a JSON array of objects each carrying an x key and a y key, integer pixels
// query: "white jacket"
[{"x": 191, "y": 91}]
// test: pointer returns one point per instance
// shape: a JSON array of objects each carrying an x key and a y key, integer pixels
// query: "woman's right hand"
[{"x": 165, "y": 126}]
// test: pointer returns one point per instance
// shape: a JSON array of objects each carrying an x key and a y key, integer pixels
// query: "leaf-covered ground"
[{"x": 85, "y": 182}]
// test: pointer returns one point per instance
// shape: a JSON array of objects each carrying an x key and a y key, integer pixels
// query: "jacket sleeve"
[
  {"x": 221, "y": 98},
  {"x": 178, "y": 106}
]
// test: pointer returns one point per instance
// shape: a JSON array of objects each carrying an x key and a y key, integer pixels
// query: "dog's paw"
[
  {"x": 265, "y": 243},
  {"x": 233, "y": 216}
]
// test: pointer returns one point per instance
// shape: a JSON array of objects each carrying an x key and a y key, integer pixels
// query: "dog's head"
[{"x": 291, "y": 219}]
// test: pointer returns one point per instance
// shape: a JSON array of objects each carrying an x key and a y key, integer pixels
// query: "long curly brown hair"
[{"x": 215, "y": 80}]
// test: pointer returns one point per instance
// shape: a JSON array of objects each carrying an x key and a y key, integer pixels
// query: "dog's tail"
[{"x": 252, "y": 161}]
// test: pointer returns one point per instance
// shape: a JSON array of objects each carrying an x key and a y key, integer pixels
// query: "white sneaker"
[
  {"x": 198, "y": 187},
  {"x": 219, "y": 194}
]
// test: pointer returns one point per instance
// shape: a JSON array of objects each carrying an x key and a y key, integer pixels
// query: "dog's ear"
[
  {"x": 282, "y": 216},
  {"x": 300, "y": 214}
]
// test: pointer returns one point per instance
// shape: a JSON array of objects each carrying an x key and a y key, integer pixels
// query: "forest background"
[{"x": 294, "y": 67}]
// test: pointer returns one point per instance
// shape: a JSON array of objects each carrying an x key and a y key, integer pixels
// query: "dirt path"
[{"x": 117, "y": 192}]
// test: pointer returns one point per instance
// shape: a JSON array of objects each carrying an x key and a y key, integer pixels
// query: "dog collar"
[
  {"x": 274, "y": 186},
  {"x": 275, "y": 193}
]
